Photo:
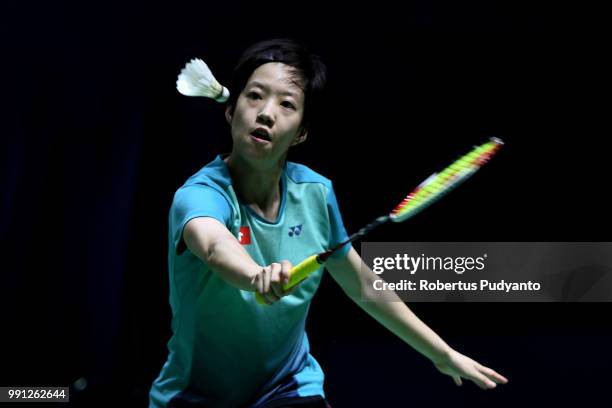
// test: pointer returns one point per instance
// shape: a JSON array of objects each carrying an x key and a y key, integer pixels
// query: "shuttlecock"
[{"x": 196, "y": 79}]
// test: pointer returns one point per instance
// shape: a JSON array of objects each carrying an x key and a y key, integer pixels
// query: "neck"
[{"x": 257, "y": 187}]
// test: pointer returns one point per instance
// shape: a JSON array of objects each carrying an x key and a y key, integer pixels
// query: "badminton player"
[{"x": 236, "y": 228}]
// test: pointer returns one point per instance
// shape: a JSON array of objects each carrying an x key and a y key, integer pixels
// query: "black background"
[{"x": 95, "y": 140}]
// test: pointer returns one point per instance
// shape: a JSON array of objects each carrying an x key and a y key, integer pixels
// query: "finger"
[
  {"x": 275, "y": 282},
  {"x": 457, "y": 380},
  {"x": 266, "y": 276},
  {"x": 286, "y": 267},
  {"x": 259, "y": 282},
  {"x": 259, "y": 287},
  {"x": 483, "y": 382},
  {"x": 493, "y": 375},
  {"x": 269, "y": 294}
]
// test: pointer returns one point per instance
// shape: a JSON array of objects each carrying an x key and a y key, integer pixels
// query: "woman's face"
[{"x": 267, "y": 116}]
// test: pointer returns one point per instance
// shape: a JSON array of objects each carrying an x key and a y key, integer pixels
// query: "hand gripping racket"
[{"x": 430, "y": 190}]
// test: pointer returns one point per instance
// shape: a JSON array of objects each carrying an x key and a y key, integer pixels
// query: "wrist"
[
  {"x": 253, "y": 273},
  {"x": 441, "y": 354}
]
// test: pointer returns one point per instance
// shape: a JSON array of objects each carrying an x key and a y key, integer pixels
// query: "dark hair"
[{"x": 310, "y": 71}]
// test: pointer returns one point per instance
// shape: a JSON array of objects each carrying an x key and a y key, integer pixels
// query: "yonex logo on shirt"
[{"x": 295, "y": 230}]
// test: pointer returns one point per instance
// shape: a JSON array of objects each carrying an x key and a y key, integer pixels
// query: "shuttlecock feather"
[{"x": 196, "y": 79}]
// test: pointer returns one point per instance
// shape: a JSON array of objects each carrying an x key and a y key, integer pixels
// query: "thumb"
[{"x": 457, "y": 380}]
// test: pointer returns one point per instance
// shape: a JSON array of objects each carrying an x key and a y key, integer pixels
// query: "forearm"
[
  {"x": 401, "y": 321},
  {"x": 353, "y": 275},
  {"x": 214, "y": 245},
  {"x": 232, "y": 262}
]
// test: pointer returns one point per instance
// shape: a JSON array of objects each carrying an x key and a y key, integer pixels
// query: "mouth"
[{"x": 261, "y": 134}]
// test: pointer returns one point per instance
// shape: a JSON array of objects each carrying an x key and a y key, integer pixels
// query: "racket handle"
[{"x": 297, "y": 274}]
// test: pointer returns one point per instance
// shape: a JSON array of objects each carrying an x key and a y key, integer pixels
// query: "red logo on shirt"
[{"x": 244, "y": 236}]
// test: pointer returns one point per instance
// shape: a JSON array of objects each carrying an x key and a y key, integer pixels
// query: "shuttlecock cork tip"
[{"x": 224, "y": 95}]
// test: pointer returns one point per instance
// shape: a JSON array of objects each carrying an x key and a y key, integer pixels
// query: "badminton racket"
[{"x": 430, "y": 190}]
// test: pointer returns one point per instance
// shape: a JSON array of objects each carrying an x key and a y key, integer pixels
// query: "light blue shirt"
[{"x": 227, "y": 350}]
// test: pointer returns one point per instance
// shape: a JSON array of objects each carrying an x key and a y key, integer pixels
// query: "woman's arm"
[
  {"x": 400, "y": 320},
  {"x": 212, "y": 242}
]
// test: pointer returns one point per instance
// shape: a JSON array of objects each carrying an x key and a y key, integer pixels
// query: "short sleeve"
[
  {"x": 337, "y": 231},
  {"x": 196, "y": 201}
]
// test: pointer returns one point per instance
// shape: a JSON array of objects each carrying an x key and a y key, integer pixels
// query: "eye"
[
  {"x": 288, "y": 105},
  {"x": 253, "y": 95}
]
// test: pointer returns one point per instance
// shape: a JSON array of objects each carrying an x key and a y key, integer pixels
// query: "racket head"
[{"x": 438, "y": 184}]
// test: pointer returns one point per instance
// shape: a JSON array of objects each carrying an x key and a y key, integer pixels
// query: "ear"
[
  {"x": 228, "y": 113},
  {"x": 301, "y": 137}
]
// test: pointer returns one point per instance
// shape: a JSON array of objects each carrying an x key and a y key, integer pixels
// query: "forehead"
[{"x": 278, "y": 78}]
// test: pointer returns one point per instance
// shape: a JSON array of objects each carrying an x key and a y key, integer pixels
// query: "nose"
[{"x": 265, "y": 116}]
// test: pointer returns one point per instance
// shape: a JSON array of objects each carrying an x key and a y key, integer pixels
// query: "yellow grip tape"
[{"x": 297, "y": 274}]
